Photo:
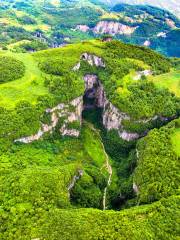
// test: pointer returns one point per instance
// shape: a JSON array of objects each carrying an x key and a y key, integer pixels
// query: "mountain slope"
[
  {"x": 37, "y": 25},
  {"x": 170, "y": 5},
  {"x": 58, "y": 172}
]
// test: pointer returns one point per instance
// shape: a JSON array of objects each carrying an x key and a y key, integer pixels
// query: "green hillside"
[
  {"x": 37, "y": 25},
  {"x": 95, "y": 185}
]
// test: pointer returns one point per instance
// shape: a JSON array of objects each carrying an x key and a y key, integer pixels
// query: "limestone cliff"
[
  {"x": 91, "y": 59},
  {"x": 68, "y": 113},
  {"x": 112, "y": 117},
  {"x": 108, "y": 27},
  {"x": 113, "y": 28},
  {"x": 82, "y": 28}
]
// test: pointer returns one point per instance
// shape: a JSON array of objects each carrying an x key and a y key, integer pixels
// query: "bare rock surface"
[
  {"x": 61, "y": 110},
  {"x": 113, "y": 28}
]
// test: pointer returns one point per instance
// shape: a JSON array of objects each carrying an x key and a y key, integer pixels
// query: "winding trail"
[{"x": 108, "y": 167}]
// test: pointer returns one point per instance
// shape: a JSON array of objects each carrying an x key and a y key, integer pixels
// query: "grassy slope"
[
  {"x": 93, "y": 146},
  {"x": 27, "y": 88},
  {"x": 32, "y": 84},
  {"x": 169, "y": 80}
]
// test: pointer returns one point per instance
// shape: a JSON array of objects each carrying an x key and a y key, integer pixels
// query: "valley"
[
  {"x": 89, "y": 121},
  {"x": 38, "y": 25},
  {"x": 70, "y": 137}
]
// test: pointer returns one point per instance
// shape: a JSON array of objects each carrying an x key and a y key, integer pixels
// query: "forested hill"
[
  {"x": 171, "y": 5},
  {"x": 35, "y": 25},
  {"x": 89, "y": 143}
]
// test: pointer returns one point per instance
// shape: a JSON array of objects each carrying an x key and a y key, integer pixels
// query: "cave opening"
[{"x": 93, "y": 100}]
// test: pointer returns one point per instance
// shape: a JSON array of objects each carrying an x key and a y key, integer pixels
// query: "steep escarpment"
[
  {"x": 108, "y": 27},
  {"x": 95, "y": 97},
  {"x": 113, "y": 28},
  {"x": 67, "y": 116}
]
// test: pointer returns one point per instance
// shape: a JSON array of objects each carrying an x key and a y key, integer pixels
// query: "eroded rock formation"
[
  {"x": 74, "y": 180},
  {"x": 82, "y": 28},
  {"x": 71, "y": 112},
  {"x": 91, "y": 59},
  {"x": 108, "y": 27},
  {"x": 113, "y": 28},
  {"x": 112, "y": 117}
]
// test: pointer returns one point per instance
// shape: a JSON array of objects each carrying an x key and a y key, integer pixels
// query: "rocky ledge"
[
  {"x": 107, "y": 27},
  {"x": 67, "y": 113},
  {"x": 113, "y": 28}
]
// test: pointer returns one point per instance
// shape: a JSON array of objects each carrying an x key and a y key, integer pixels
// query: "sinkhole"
[{"x": 93, "y": 99}]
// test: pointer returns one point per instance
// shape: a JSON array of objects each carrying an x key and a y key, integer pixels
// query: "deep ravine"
[{"x": 109, "y": 169}]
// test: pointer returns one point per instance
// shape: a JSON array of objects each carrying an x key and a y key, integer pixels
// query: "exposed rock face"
[
  {"x": 162, "y": 34},
  {"x": 91, "y": 59},
  {"x": 113, "y": 28},
  {"x": 112, "y": 117},
  {"x": 61, "y": 110},
  {"x": 82, "y": 28},
  {"x": 170, "y": 23},
  {"x": 75, "y": 179},
  {"x": 135, "y": 188},
  {"x": 143, "y": 73},
  {"x": 128, "y": 136},
  {"x": 91, "y": 81},
  {"x": 94, "y": 90}
]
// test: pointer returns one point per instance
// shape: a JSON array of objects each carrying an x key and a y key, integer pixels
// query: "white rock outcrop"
[
  {"x": 112, "y": 117},
  {"x": 91, "y": 59},
  {"x": 147, "y": 43},
  {"x": 113, "y": 28},
  {"x": 61, "y": 110},
  {"x": 82, "y": 28},
  {"x": 145, "y": 73},
  {"x": 135, "y": 188}
]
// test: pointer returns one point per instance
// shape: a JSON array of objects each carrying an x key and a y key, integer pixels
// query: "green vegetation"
[
  {"x": 156, "y": 221},
  {"x": 157, "y": 173},
  {"x": 54, "y": 22},
  {"x": 169, "y": 80},
  {"x": 11, "y": 69},
  {"x": 176, "y": 141},
  {"x": 46, "y": 186},
  {"x": 28, "y": 87},
  {"x": 117, "y": 58}
]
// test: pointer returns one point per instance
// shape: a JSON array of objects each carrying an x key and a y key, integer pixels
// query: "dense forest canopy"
[{"x": 89, "y": 128}]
